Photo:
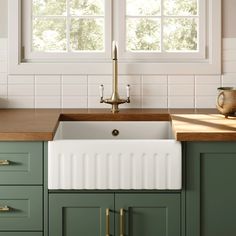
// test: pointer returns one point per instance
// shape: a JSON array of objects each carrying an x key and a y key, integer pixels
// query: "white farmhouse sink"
[{"x": 114, "y": 155}]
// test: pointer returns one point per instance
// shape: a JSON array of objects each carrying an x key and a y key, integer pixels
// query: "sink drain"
[{"x": 115, "y": 132}]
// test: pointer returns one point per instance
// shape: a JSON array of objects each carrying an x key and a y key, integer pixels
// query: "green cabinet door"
[
  {"x": 81, "y": 214},
  {"x": 147, "y": 214},
  {"x": 211, "y": 189}
]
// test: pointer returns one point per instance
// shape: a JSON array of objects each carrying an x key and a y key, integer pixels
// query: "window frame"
[
  {"x": 162, "y": 56},
  {"x": 209, "y": 64},
  {"x": 61, "y": 56}
]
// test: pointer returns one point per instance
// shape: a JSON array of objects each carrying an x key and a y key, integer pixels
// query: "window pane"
[
  {"x": 181, "y": 7},
  {"x": 180, "y": 34},
  {"x": 143, "y": 7},
  {"x": 143, "y": 34},
  {"x": 49, "y": 35},
  {"x": 87, "y": 7},
  {"x": 87, "y": 35},
  {"x": 49, "y": 7}
]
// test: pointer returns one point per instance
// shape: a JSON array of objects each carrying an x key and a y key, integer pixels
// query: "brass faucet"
[{"x": 115, "y": 99}]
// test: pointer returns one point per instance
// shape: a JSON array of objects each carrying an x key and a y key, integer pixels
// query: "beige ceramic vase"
[{"x": 226, "y": 101}]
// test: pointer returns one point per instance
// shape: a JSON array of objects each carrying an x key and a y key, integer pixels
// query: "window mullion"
[
  {"x": 162, "y": 22},
  {"x": 68, "y": 22}
]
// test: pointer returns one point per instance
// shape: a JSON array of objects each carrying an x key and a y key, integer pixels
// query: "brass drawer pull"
[
  {"x": 122, "y": 222},
  {"x": 107, "y": 222},
  {"x": 4, "y": 209},
  {"x": 4, "y": 163}
]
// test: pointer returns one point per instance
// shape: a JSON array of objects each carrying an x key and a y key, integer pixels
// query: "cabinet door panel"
[
  {"x": 23, "y": 208},
  {"x": 80, "y": 214},
  {"x": 149, "y": 214},
  {"x": 211, "y": 189},
  {"x": 24, "y": 166}
]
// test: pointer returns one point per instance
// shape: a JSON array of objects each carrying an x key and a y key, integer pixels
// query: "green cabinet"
[
  {"x": 80, "y": 214},
  {"x": 210, "y": 188},
  {"x": 133, "y": 214},
  {"x": 21, "y": 163},
  {"x": 21, "y": 188}
]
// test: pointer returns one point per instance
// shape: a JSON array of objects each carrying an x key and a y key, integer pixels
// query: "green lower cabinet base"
[
  {"x": 80, "y": 214},
  {"x": 211, "y": 189},
  {"x": 149, "y": 214}
]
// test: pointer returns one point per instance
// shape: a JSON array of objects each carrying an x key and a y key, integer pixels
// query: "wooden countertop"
[{"x": 188, "y": 124}]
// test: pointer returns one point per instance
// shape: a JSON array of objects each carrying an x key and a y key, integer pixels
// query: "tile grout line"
[
  {"x": 87, "y": 105},
  {"x": 141, "y": 91},
  {"x": 195, "y": 93},
  {"x": 34, "y": 91},
  {"x": 167, "y": 92},
  {"x": 61, "y": 92}
]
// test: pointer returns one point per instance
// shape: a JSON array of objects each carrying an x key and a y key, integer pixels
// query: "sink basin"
[{"x": 114, "y": 155}]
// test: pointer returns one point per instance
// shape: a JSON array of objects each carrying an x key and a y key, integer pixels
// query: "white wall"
[
  {"x": 3, "y": 18},
  {"x": 81, "y": 91}
]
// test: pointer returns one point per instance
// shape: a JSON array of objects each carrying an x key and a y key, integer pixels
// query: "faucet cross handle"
[
  {"x": 128, "y": 93},
  {"x": 101, "y": 92}
]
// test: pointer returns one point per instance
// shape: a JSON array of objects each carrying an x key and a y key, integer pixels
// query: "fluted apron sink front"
[{"x": 114, "y": 155}]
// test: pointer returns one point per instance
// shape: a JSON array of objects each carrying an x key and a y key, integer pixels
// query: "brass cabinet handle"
[
  {"x": 4, "y": 209},
  {"x": 107, "y": 222},
  {"x": 4, "y": 163},
  {"x": 122, "y": 222}
]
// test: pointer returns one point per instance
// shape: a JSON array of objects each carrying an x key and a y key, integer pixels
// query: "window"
[
  {"x": 66, "y": 29},
  {"x": 162, "y": 29},
  {"x": 154, "y": 36}
]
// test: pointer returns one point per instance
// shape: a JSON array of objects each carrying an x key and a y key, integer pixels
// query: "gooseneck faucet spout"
[{"x": 115, "y": 100}]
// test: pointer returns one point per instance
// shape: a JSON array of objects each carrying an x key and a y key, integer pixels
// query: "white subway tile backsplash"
[
  {"x": 20, "y": 89},
  {"x": 47, "y": 102},
  {"x": 229, "y": 67},
  {"x": 20, "y": 101},
  {"x": 181, "y": 79},
  {"x": 229, "y": 55},
  {"x": 181, "y": 102},
  {"x": 132, "y": 79},
  {"x": 229, "y": 79},
  {"x": 74, "y": 79},
  {"x": 206, "y": 102},
  {"x": 74, "y": 90},
  {"x": 3, "y": 78},
  {"x": 47, "y": 79},
  {"x": 3, "y": 90},
  {"x": 229, "y": 43},
  {"x": 207, "y": 89},
  {"x": 74, "y": 102},
  {"x": 154, "y": 90},
  {"x": 3, "y": 66},
  {"x": 100, "y": 79},
  {"x": 181, "y": 90},
  {"x": 20, "y": 79},
  {"x": 155, "y": 79},
  {"x": 208, "y": 79},
  {"x": 48, "y": 90},
  {"x": 154, "y": 102}
]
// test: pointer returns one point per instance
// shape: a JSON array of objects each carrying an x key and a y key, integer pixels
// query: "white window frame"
[
  {"x": 30, "y": 56},
  {"x": 208, "y": 62},
  {"x": 161, "y": 56}
]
